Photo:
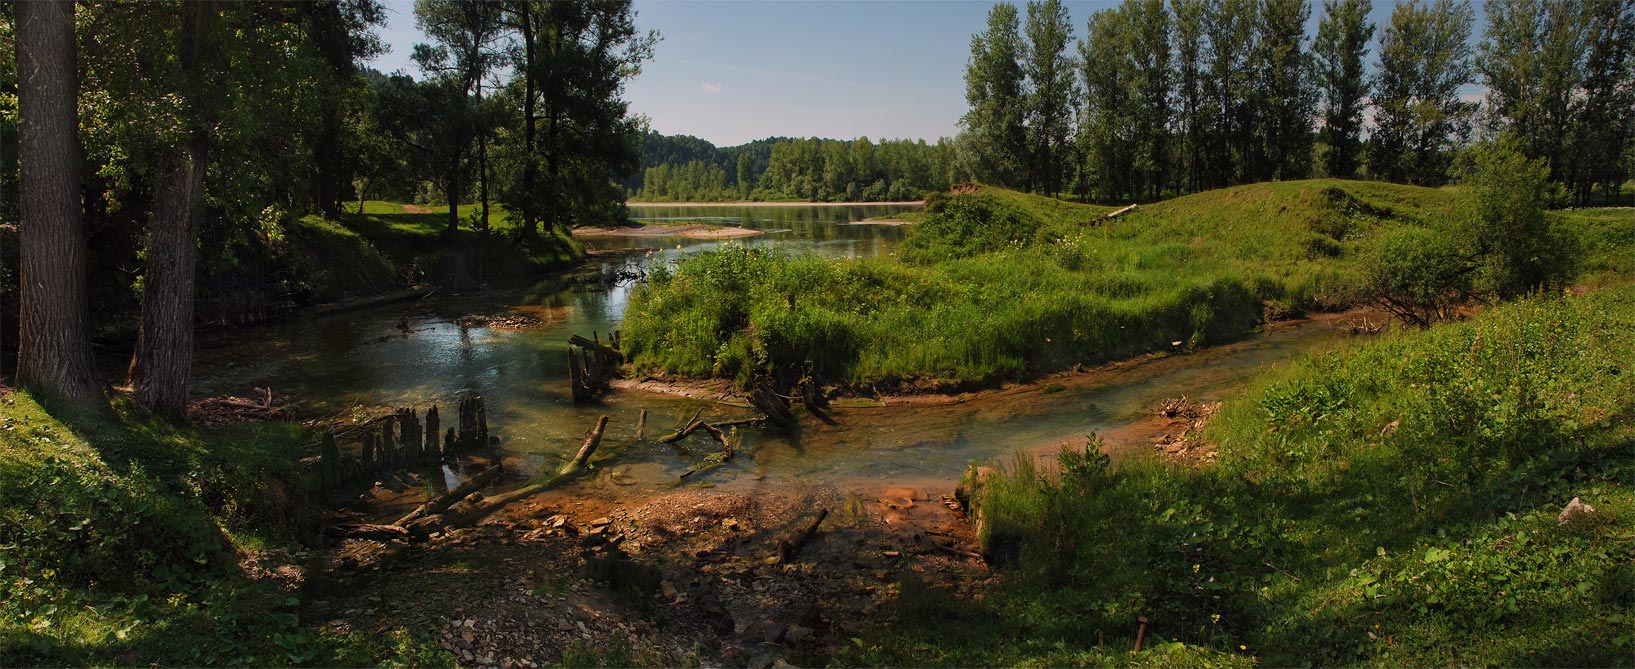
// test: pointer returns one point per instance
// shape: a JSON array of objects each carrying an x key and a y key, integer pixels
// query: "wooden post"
[
  {"x": 482, "y": 422},
  {"x": 641, "y": 422},
  {"x": 388, "y": 443},
  {"x": 330, "y": 465},
  {"x": 449, "y": 442},
  {"x": 434, "y": 451},
  {"x": 369, "y": 459}
]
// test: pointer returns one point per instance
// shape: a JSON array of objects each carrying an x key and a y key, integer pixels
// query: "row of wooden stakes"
[{"x": 403, "y": 440}]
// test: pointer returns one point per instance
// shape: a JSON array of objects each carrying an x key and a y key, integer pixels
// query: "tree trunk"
[
  {"x": 453, "y": 193},
  {"x": 482, "y": 161},
  {"x": 54, "y": 348},
  {"x": 163, "y": 362},
  {"x": 530, "y": 228}
]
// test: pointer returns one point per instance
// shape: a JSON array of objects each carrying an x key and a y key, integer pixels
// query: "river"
[{"x": 364, "y": 358}]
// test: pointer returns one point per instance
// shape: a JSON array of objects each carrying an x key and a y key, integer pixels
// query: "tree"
[
  {"x": 994, "y": 82},
  {"x": 1054, "y": 91},
  {"x": 1342, "y": 41},
  {"x": 1532, "y": 60},
  {"x": 1425, "y": 57},
  {"x": 162, "y": 364},
  {"x": 464, "y": 35},
  {"x": 54, "y": 350},
  {"x": 746, "y": 175},
  {"x": 1191, "y": 68},
  {"x": 1603, "y": 143},
  {"x": 1235, "y": 153}
]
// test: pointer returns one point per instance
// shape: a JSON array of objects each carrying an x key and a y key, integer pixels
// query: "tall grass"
[
  {"x": 1390, "y": 504},
  {"x": 1001, "y": 285}
]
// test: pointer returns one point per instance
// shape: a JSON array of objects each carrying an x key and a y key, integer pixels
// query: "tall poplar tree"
[
  {"x": 1342, "y": 43},
  {"x": 996, "y": 121},
  {"x": 1603, "y": 143},
  {"x": 1284, "y": 99},
  {"x": 1053, "y": 92},
  {"x": 1425, "y": 57},
  {"x": 1532, "y": 60},
  {"x": 1191, "y": 116},
  {"x": 1234, "y": 154}
]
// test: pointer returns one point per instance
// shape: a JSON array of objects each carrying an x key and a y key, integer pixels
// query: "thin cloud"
[
  {"x": 781, "y": 75},
  {"x": 711, "y": 87}
]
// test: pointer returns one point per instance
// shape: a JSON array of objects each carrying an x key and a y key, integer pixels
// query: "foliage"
[
  {"x": 1391, "y": 504},
  {"x": 1425, "y": 57}
]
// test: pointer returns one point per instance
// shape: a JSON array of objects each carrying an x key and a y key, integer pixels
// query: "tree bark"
[
  {"x": 530, "y": 228},
  {"x": 163, "y": 362},
  {"x": 54, "y": 348}
]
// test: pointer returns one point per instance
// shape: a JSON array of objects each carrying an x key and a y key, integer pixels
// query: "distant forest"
[{"x": 678, "y": 168}]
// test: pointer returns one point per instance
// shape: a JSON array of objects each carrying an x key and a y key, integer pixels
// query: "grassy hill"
[{"x": 996, "y": 284}]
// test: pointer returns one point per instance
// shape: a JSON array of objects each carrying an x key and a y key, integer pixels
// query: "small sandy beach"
[{"x": 691, "y": 231}]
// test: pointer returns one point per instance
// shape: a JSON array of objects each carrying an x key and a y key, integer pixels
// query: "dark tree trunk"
[
  {"x": 529, "y": 172},
  {"x": 54, "y": 348},
  {"x": 162, "y": 365},
  {"x": 482, "y": 161},
  {"x": 453, "y": 193}
]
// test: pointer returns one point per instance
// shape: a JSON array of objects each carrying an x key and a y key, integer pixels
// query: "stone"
[
  {"x": 797, "y": 634},
  {"x": 1575, "y": 510},
  {"x": 668, "y": 591}
]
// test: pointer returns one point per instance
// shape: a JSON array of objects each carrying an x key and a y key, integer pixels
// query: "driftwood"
[
  {"x": 776, "y": 407},
  {"x": 449, "y": 498},
  {"x": 592, "y": 366},
  {"x": 1112, "y": 215},
  {"x": 685, "y": 429},
  {"x": 226, "y": 410},
  {"x": 470, "y": 511},
  {"x": 790, "y": 547},
  {"x": 368, "y": 531},
  {"x": 714, "y": 460},
  {"x": 641, "y": 425}
]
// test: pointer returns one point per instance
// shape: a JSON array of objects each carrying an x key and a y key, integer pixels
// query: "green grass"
[
  {"x": 122, "y": 540},
  {"x": 419, "y": 240},
  {"x": 1607, "y": 236},
  {"x": 1002, "y": 285},
  {"x": 1389, "y": 504}
]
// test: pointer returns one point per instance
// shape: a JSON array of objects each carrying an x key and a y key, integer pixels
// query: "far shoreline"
[{"x": 744, "y": 203}]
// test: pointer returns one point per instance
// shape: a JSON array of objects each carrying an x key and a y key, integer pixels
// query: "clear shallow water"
[{"x": 362, "y": 357}]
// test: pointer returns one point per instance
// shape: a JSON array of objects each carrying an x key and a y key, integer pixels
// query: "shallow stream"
[{"x": 365, "y": 358}]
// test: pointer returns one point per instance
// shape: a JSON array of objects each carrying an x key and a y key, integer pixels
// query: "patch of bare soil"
[
  {"x": 690, "y": 231},
  {"x": 686, "y": 576},
  {"x": 1179, "y": 424},
  {"x": 416, "y": 209}
]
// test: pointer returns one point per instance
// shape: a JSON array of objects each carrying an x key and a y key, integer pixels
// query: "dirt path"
[{"x": 686, "y": 576}]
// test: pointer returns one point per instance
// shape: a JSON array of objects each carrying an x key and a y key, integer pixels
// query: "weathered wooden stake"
[
  {"x": 330, "y": 471},
  {"x": 641, "y": 422},
  {"x": 434, "y": 450}
]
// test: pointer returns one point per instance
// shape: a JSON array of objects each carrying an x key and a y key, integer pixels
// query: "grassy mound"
[
  {"x": 128, "y": 540},
  {"x": 998, "y": 285},
  {"x": 1390, "y": 504}
]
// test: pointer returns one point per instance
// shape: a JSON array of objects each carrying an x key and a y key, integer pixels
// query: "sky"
[{"x": 735, "y": 71}]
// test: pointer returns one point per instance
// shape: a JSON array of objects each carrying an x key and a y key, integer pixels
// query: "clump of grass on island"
[
  {"x": 997, "y": 285},
  {"x": 1394, "y": 503}
]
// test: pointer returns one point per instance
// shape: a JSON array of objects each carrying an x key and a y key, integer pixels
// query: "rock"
[
  {"x": 763, "y": 631},
  {"x": 1575, "y": 511},
  {"x": 599, "y": 522},
  {"x": 797, "y": 634},
  {"x": 668, "y": 591}
]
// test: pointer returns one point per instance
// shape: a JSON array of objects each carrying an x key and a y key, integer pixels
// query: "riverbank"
[{"x": 690, "y": 231}]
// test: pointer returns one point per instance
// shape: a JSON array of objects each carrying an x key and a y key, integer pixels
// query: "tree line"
[
  {"x": 163, "y": 150},
  {"x": 1163, "y": 98},
  {"x": 684, "y": 168}
]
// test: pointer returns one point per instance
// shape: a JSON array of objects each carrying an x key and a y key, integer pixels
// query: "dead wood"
[
  {"x": 449, "y": 498},
  {"x": 367, "y": 531},
  {"x": 790, "y": 547}
]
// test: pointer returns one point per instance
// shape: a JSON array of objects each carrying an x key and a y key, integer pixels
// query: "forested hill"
[{"x": 677, "y": 168}]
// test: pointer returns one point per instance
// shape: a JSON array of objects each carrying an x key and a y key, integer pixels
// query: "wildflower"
[{"x": 1242, "y": 647}]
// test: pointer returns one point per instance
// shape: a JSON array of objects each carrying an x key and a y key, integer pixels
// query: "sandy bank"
[
  {"x": 904, "y": 203},
  {"x": 894, "y": 222},
  {"x": 691, "y": 231}
]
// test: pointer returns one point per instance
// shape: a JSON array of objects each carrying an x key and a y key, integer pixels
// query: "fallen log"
[
  {"x": 789, "y": 547},
  {"x": 365, "y": 302},
  {"x": 716, "y": 430},
  {"x": 1112, "y": 215},
  {"x": 715, "y": 459},
  {"x": 370, "y": 531},
  {"x": 448, "y": 499}
]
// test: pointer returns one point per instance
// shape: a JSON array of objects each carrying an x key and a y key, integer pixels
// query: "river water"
[{"x": 364, "y": 358}]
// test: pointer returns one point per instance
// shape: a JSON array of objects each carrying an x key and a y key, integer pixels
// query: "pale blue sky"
[{"x": 731, "y": 72}]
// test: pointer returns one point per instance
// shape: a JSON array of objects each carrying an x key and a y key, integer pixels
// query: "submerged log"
[
  {"x": 790, "y": 547},
  {"x": 641, "y": 423},
  {"x": 769, "y": 402},
  {"x": 685, "y": 429}
]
